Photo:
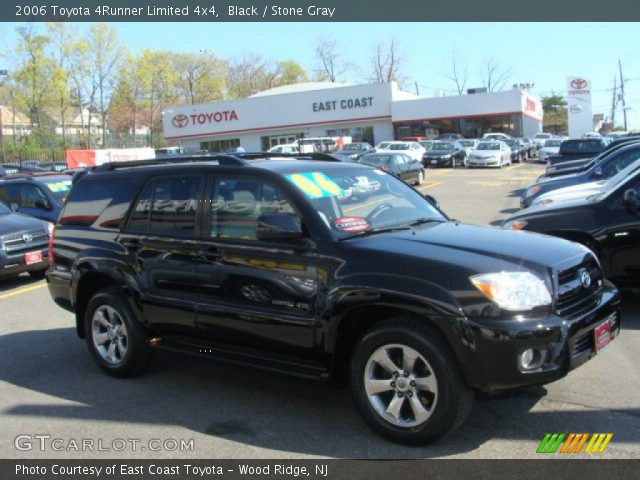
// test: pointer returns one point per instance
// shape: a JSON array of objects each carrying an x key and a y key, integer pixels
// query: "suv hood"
[
  {"x": 475, "y": 248},
  {"x": 581, "y": 190},
  {"x": 15, "y": 222}
]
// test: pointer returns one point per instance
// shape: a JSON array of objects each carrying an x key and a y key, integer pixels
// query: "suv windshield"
[
  {"x": 552, "y": 143},
  {"x": 352, "y": 147},
  {"x": 488, "y": 146},
  {"x": 360, "y": 200},
  {"x": 399, "y": 146}
]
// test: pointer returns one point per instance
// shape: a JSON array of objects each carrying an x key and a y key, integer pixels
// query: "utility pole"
[
  {"x": 624, "y": 107},
  {"x": 614, "y": 102}
]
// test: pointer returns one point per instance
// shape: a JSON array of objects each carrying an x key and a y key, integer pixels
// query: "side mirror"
[
  {"x": 630, "y": 201},
  {"x": 278, "y": 227},
  {"x": 43, "y": 204},
  {"x": 432, "y": 200},
  {"x": 14, "y": 207},
  {"x": 598, "y": 172}
]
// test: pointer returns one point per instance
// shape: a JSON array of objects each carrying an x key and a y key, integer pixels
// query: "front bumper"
[
  {"x": 495, "y": 345},
  {"x": 12, "y": 264},
  {"x": 489, "y": 162},
  {"x": 436, "y": 162}
]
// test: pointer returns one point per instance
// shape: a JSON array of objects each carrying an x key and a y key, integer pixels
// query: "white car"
[
  {"x": 551, "y": 147},
  {"x": 413, "y": 149},
  {"x": 469, "y": 145},
  {"x": 588, "y": 190},
  {"x": 539, "y": 139},
  {"x": 285, "y": 148},
  {"x": 491, "y": 153},
  {"x": 496, "y": 136}
]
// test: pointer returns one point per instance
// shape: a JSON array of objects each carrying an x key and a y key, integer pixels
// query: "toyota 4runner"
[{"x": 275, "y": 263}]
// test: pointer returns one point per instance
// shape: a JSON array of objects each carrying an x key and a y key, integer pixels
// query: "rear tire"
[
  {"x": 420, "y": 179},
  {"x": 414, "y": 409},
  {"x": 116, "y": 340}
]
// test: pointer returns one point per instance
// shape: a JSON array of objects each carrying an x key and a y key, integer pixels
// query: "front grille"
[
  {"x": 584, "y": 343},
  {"x": 15, "y": 242},
  {"x": 573, "y": 298}
]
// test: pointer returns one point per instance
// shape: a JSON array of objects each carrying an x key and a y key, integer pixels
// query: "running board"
[{"x": 243, "y": 356}]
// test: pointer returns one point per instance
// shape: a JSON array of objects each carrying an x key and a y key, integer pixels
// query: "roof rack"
[{"x": 220, "y": 158}]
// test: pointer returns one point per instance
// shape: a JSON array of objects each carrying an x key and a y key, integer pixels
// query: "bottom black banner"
[{"x": 316, "y": 469}]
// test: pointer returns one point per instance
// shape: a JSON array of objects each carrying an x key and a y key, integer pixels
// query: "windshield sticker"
[
  {"x": 316, "y": 185},
  {"x": 351, "y": 224},
  {"x": 60, "y": 186}
]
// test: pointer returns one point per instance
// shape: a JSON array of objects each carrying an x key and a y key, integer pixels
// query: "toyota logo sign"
[
  {"x": 180, "y": 121},
  {"x": 585, "y": 278},
  {"x": 27, "y": 237},
  {"x": 579, "y": 84}
]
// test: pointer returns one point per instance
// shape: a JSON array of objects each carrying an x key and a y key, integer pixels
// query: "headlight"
[
  {"x": 513, "y": 291},
  {"x": 515, "y": 225},
  {"x": 531, "y": 191}
]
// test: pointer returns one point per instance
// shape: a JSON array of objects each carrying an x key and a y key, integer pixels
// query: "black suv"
[{"x": 269, "y": 262}]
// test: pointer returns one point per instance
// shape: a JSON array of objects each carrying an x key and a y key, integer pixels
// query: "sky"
[{"x": 540, "y": 53}]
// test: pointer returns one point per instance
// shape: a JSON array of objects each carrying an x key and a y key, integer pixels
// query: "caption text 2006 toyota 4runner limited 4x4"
[{"x": 324, "y": 270}]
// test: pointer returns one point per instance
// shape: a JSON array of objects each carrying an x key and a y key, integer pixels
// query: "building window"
[
  {"x": 469, "y": 127},
  {"x": 226, "y": 145}
]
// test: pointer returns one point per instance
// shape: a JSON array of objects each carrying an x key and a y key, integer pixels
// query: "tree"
[
  {"x": 289, "y": 72},
  {"x": 386, "y": 63},
  {"x": 554, "y": 108},
  {"x": 330, "y": 60},
  {"x": 200, "y": 77},
  {"x": 105, "y": 52},
  {"x": 252, "y": 74},
  {"x": 495, "y": 74},
  {"x": 458, "y": 73}
]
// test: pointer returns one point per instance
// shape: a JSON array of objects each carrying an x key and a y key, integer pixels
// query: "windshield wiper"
[{"x": 392, "y": 228}]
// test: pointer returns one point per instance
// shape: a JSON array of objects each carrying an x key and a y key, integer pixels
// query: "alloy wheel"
[
  {"x": 401, "y": 385},
  {"x": 109, "y": 333}
]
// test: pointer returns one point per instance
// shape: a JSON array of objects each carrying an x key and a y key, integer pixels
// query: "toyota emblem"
[
  {"x": 585, "y": 278},
  {"x": 27, "y": 237},
  {"x": 180, "y": 121},
  {"x": 579, "y": 84}
]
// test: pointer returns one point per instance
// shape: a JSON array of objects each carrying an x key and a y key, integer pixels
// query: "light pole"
[{"x": 3, "y": 73}]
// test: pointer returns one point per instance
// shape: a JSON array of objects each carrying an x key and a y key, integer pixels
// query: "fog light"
[{"x": 531, "y": 359}]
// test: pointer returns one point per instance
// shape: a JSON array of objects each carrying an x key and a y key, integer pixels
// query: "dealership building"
[{"x": 372, "y": 113}]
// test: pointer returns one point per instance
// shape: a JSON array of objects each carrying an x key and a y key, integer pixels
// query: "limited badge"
[{"x": 351, "y": 224}]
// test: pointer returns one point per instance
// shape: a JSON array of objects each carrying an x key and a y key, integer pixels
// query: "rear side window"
[
  {"x": 101, "y": 203},
  {"x": 168, "y": 205}
]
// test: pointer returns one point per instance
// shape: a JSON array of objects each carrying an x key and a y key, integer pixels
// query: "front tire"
[
  {"x": 420, "y": 179},
  {"x": 116, "y": 340},
  {"x": 407, "y": 384}
]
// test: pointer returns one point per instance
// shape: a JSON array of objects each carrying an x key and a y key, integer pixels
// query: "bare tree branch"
[
  {"x": 458, "y": 73},
  {"x": 386, "y": 63},
  {"x": 331, "y": 63},
  {"x": 495, "y": 74}
]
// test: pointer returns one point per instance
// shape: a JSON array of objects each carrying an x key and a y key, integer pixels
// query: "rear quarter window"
[{"x": 101, "y": 203}]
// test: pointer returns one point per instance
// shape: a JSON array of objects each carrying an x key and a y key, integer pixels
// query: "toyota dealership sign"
[{"x": 579, "y": 102}]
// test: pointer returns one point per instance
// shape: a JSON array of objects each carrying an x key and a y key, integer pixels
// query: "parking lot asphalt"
[{"x": 50, "y": 386}]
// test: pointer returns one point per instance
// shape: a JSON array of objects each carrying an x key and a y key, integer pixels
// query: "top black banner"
[{"x": 314, "y": 11}]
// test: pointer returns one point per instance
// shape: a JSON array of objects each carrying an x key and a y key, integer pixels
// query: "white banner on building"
[{"x": 579, "y": 105}]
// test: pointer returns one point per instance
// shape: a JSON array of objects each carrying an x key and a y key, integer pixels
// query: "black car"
[
  {"x": 580, "y": 165},
  {"x": 518, "y": 150},
  {"x": 607, "y": 168},
  {"x": 38, "y": 195},
  {"x": 397, "y": 164},
  {"x": 608, "y": 224},
  {"x": 23, "y": 244},
  {"x": 268, "y": 263},
  {"x": 351, "y": 152},
  {"x": 444, "y": 154},
  {"x": 577, "y": 148}
]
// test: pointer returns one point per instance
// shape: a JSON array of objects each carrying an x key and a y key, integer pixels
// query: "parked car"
[
  {"x": 550, "y": 148},
  {"x": 528, "y": 143},
  {"x": 351, "y": 152},
  {"x": 275, "y": 271},
  {"x": 285, "y": 148},
  {"x": 469, "y": 144},
  {"x": 397, "y": 164},
  {"x": 23, "y": 244},
  {"x": 167, "y": 151},
  {"x": 607, "y": 168},
  {"x": 496, "y": 136},
  {"x": 38, "y": 195},
  {"x": 450, "y": 136},
  {"x": 608, "y": 223},
  {"x": 582, "y": 164},
  {"x": 539, "y": 139},
  {"x": 575, "y": 149},
  {"x": 492, "y": 153},
  {"x": 413, "y": 149},
  {"x": 445, "y": 153},
  {"x": 518, "y": 150},
  {"x": 427, "y": 144}
]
